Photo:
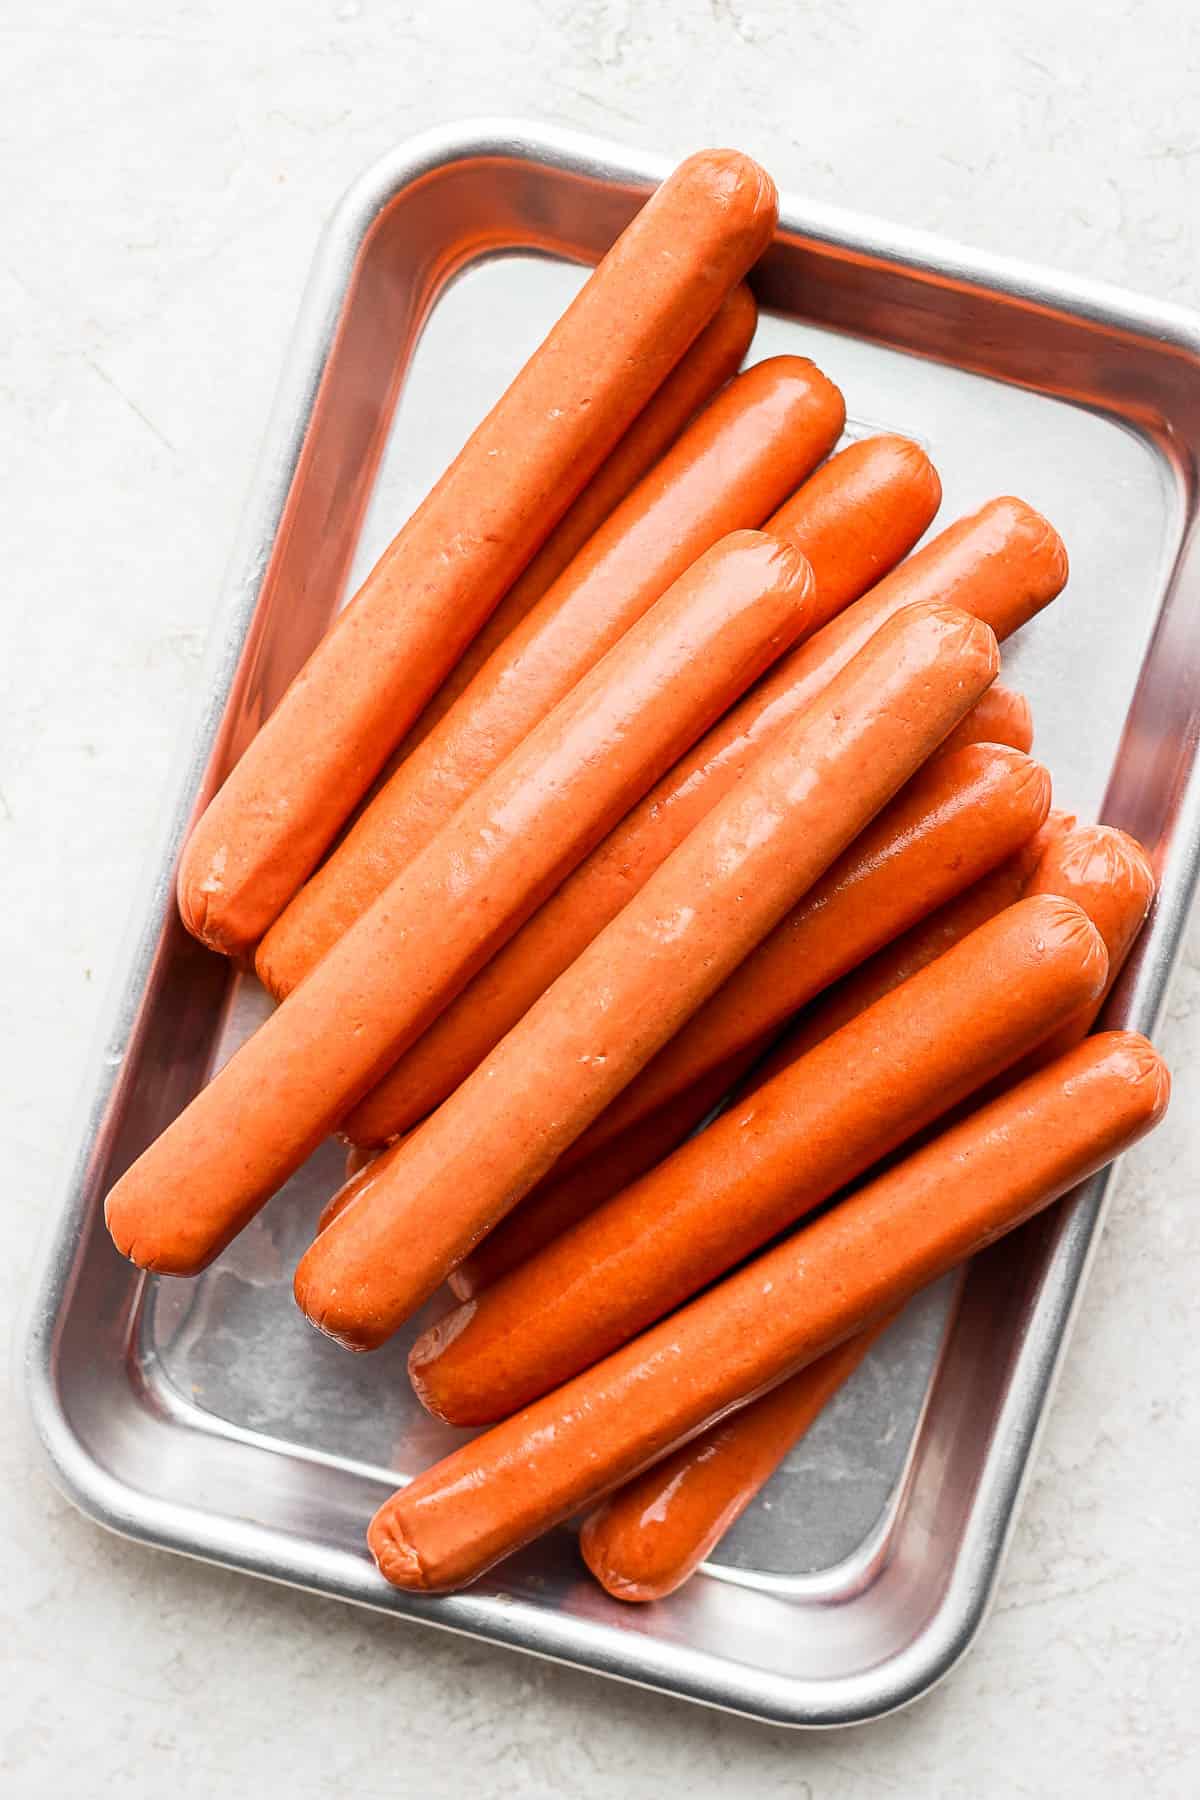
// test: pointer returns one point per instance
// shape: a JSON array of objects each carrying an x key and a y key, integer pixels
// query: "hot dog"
[
  {"x": 290, "y": 1083},
  {"x": 917, "y": 948},
  {"x": 1001, "y": 564},
  {"x": 730, "y": 467},
  {"x": 651, "y": 1535},
  {"x": 858, "y": 516},
  {"x": 329, "y": 736},
  {"x": 1103, "y": 871},
  {"x": 358, "y": 1165},
  {"x": 970, "y": 808},
  {"x": 437, "y": 1193},
  {"x": 707, "y": 366},
  {"x": 938, "y": 836},
  {"x": 772, "y": 1318},
  {"x": 1108, "y": 874},
  {"x": 998, "y": 717},
  {"x": 764, "y": 1163}
]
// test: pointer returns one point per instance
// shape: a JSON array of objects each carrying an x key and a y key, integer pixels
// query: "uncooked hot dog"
[
  {"x": 1109, "y": 874},
  {"x": 651, "y": 1535},
  {"x": 707, "y": 366},
  {"x": 1000, "y": 716},
  {"x": 317, "y": 754},
  {"x": 858, "y": 516}
]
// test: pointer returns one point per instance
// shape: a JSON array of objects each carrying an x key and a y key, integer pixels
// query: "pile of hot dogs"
[{"x": 642, "y": 743}]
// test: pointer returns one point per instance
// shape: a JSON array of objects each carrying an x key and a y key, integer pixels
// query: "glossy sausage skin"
[
  {"x": 786, "y": 1308},
  {"x": 707, "y": 366},
  {"x": 1003, "y": 562},
  {"x": 953, "y": 823},
  {"x": 1001, "y": 716},
  {"x": 730, "y": 467},
  {"x": 764, "y": 1163},
  {"x": 452, "y": 1181},
  {"x": 1109, "y": 874},
  {"x": 649, "y": 1537},
  {"x": 1011, "y": 806},
  {"x": 917, "y": 948},
  {"x": 858, "y": 516},
  {"x": 358, "y": 1166},
  {"x": 562, "y": 1199},
  {"x": 290, "y": 1083},
  {"x": 329, "y": 736}
]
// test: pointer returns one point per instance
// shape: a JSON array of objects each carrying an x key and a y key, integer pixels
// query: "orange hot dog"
[
  {"x": 651, "y": 1535},
  {"x": 730, "y": 467},
  {"x": 764, "y": 1163},
  {"x": 1109, "y": 874},
  {"x": 918, "y": 947},
  {"x": 289, "y": 1084},
  {"x": 858, "y": 516},
  {"x": 358, "y": 1166},
  {"x": 785, "y": 1309},
  {"x": 936, "y": 838},
  {"x": 437, "y": 1193},
  {"x": 1000, "y": 716},
  {"x": 1010, "y": 806},
  {"x": 1001, "y": 564},
  {"x": 316, "y": 756},
  {"x": 707, "y": 366}
]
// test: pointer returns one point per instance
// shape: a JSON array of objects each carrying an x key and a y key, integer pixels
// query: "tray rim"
[{"x": 274, "y": 1554}]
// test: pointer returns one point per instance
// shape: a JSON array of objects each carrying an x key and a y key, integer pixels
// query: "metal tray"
[{"x": 206, "y": 1417}]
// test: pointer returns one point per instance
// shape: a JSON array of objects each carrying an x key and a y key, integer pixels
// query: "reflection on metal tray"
[{"x": 206, "y": 1417}]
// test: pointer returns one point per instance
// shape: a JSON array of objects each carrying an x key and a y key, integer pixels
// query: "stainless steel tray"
[{"x": 206, "y": 1417}]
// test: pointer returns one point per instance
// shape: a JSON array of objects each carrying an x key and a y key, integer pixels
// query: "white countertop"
[{"x": 167, "y": 169}]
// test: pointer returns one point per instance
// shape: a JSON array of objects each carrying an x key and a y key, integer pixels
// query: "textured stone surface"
[{"x": 166, "y": 171}]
